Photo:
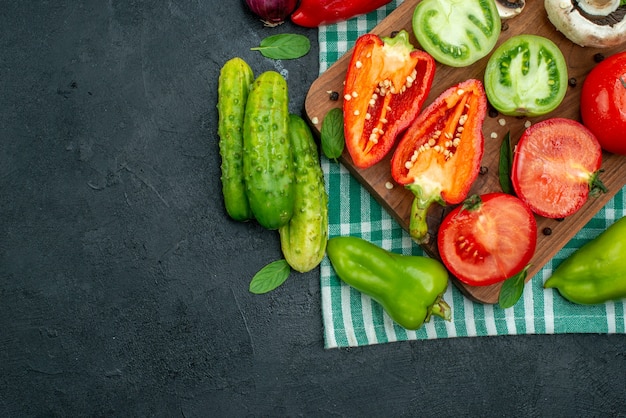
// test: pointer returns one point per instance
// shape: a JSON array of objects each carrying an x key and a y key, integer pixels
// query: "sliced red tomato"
[
  {"x": 556, "y": 166},
  {"x": 603, "y": 103},
  {"x": 487, "y": 239},
  {"x": 387, "y": 82}
]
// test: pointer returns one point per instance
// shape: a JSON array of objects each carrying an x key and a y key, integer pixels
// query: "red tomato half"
[
  {"x": 556, "y": 166},
  {"x": 487, "y": 239},
  {"x": 603, "y": 103}
]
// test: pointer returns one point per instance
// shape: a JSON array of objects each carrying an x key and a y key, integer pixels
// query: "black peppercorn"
[
  {"x": 483, "y": 170},
  {"x": 571, "y": 82},
  {"x": 598, "y": 57},
  {"x": 334, "y": 96},
  {"x": 547, "y": 231}
]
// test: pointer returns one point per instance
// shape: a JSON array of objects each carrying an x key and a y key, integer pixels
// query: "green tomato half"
[
  {"x": 457, "y": 32},
  {"x": 526, "y": 76}
]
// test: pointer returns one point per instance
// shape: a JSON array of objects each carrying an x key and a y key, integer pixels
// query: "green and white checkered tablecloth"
[{"x": 353, "y": 319}]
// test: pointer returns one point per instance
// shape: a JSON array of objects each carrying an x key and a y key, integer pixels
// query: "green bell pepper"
[
  {"x": 596, "y": 272},
  {"x": 409, "y": 288}
]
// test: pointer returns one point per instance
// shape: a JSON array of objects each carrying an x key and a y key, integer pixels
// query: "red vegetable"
[
  {"x": 314, "y": 13},
  {"x": 386, "y": 84},
  {"x": 556, "y": 166},
  {"x": 603, "y": 103},
  {"x": 272, "y": 12},
  {"x": 487, "y": 239},
  {"x": 439, "y": 156}
]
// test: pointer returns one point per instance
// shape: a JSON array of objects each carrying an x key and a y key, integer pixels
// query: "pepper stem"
[
  {"x": 418, "y": 227},
  {"x": 441, "y": 309}
]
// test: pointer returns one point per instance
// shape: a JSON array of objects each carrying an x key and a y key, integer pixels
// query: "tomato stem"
[{"x": 596, "y": 187}]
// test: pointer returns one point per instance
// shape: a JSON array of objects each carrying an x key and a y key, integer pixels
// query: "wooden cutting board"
[{"x": 397, "y": 200}]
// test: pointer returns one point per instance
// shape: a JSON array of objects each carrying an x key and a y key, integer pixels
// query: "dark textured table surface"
[{"x": 124, "y": 285}]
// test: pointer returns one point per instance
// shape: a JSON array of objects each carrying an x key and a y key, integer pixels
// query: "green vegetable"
[
  {"x": 303, "y": 240},
  {"x": 409, "y": 288},
  {"x": 457, "y": 32},
  {"x": 596, "y": 272},
  {"x": 512, "y": 289},
  {"x": 526, "y": 76},
  {"x": 284, "y": 46},
  {"x": 506, "y": 163},
  {"x": 270, "y": 277},
  {"x": 267, "y": 156},
  {"x": 234, "y": 83},
  {"x": 332, "y": 135}
]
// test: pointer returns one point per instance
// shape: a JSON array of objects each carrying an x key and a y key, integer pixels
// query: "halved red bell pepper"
[
  {"x": 313, "y": 13},
  {"x": 387, "y": 82},
  {"x": 439, "y": 156}
]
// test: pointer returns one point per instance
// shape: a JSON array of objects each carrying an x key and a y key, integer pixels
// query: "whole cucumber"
[
  {"x": 236, "y": 78},
  {"x": 303, "y": 240},
  {"x": 267, "y": 155}
]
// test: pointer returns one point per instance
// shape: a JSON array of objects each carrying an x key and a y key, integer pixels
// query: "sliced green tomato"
[
  {"x": 457, "y": 32},
  {"x": 526, "y": 76}
]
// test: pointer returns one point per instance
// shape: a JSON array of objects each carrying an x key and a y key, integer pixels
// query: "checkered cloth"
[{"x": 353, "y": 319}]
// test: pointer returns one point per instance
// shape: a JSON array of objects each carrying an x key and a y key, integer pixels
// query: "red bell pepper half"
[
  {"x": 313, "y": 13},
  {"x": 439, "y": 156},
  {"x": 387, "y": 82}
]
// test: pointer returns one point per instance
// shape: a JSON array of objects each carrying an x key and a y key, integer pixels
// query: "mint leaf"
[
  {"x": 270, "y": 277},
  {"x": 331, "y": 134},
  {"x": 512, "y": 289},
  {"x": 284, "y": 46},
  {"x": 506, "y": 165}
]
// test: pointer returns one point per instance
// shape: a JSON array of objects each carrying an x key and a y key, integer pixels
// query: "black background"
[{"x": 123, "y": 283}]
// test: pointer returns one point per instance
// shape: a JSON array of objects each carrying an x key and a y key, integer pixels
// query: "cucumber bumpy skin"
[
  {"x": 267, "y": 155},
  {"x": 303, "y": 240},
  {"x": 234, "y": 83}
]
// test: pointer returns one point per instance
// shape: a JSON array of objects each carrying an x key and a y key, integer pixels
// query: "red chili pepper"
[
  {"x": 313, "y": 13},
  {"x": 387, "y": 82},
  {"x": 439, "y": 156}
]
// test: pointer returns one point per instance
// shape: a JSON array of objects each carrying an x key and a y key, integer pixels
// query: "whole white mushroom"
[{"x": 592, "y": 23}]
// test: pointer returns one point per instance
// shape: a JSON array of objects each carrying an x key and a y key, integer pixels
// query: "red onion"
[{"x": 272, "y": 12}]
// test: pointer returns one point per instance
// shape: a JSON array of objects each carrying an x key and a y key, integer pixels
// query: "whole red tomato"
[{"x": 603, "y": 103}]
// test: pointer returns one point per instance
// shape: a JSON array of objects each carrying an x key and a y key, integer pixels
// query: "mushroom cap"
[
  {"x": 509, "y": 9},
  {"x": 584, "y": 29}
]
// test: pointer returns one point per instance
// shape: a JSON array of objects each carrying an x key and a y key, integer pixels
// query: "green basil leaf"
[
  {"x": 506, "y": 165},
  {"x": 331, "y": 134},
  {"x": 270, "y": 277},
  {"x": 512, "y": 289},
  {"x": 284, "y": 46}
]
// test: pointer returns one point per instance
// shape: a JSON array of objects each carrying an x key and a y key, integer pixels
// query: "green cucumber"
[
  {"x": 267, "y": 155},
  {"x": 234, "y": 83},
  {"x": 303, "y": 240}
]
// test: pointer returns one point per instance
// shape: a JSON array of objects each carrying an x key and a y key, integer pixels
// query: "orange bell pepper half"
[{"x": 386, "y": 84}]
